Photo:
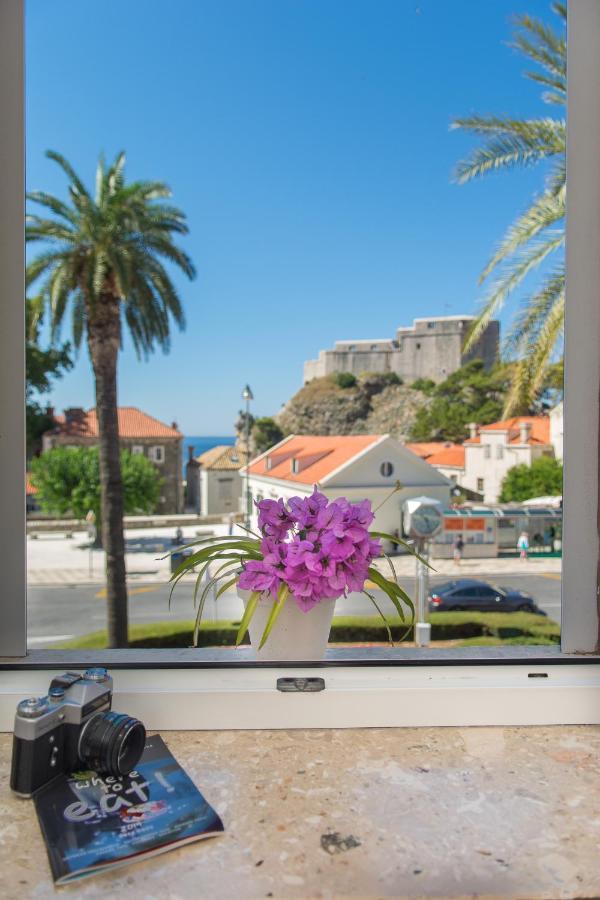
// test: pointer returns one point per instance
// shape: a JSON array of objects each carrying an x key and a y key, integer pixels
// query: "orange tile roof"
[
  {"x": 450, "y": 456},
  {"x": 317, "y": 456},
  {"x": 133, "y": 423},
  {"x": 539, "y": 434},
  {"x": 223, "y": 457},
  {"x": 30, "y": 490},
  {"x": 428, "y": 448}
]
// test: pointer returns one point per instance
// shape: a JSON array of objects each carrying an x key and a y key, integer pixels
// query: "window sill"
[{"x": 205, "y": 689}]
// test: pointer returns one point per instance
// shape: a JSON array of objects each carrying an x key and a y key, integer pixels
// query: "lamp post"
[{"x": 247, "y": 395}]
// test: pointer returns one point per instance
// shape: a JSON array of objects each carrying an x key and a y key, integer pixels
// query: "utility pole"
[{"x": 247, "y": 395}]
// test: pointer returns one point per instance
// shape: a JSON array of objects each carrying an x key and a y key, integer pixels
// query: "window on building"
[
  {"x": 480, "y": 487},
  {"x": 157, "y": 454},
  {"x": 431, "y": 324},
  {"x": 499, "y": 451},
  {"x": 295, "y": 466},
  {"x": 137, "y": 450},
  {"x": 487, "y": 451},
  {"x": 373, "y": 346},
  {"x": 386, "y": 469},
  {"x": 352, "y": 348},
  {"x": 418, "y": 346}
]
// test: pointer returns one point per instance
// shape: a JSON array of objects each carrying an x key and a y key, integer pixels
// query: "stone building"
[
  {"x": 213, "y": 483},
  {"x": 429, "y": 348},
  {"x": 139, "y": 433}
]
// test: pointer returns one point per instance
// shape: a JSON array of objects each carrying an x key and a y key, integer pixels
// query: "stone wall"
[{"x": 430, "y": 348}]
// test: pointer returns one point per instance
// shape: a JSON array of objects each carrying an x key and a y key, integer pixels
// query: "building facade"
[
  {"x": 138, "y": 433},
  {"x": 213, "y": 483},
  {"x": 357, "y": 467},
  {"x": 493, "y": 449},
  {"x": 430, "y": 348}
]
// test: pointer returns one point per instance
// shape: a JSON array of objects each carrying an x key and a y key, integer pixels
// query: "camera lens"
[{"x": 112, "y": 743}]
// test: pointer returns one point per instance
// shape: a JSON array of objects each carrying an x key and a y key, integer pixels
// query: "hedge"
[{"x": 472, "y": 628}]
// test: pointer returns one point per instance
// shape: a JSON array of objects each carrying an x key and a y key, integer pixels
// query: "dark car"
[{"x": 468, "y": 594}]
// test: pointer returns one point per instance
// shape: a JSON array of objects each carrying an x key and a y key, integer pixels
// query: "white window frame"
[
  {"x": 157, "y": 454},
  {"x": 137, "y": 450},
  {"x": 203, "y": 689}
]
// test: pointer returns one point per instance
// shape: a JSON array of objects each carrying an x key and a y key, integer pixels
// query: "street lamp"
[{"x": 247, "y": 395}]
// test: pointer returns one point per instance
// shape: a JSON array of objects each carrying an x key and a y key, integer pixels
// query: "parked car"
[{"x": 479, "y": 596}]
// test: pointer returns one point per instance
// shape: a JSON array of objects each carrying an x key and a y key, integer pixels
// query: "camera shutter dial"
[{"x": 33, "y": 707}]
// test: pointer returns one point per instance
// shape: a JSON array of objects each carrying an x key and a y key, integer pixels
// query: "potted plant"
[{"x": 309, "y": 552}]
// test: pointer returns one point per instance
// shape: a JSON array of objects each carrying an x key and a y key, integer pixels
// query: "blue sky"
[{"x": 308, "y": 142}]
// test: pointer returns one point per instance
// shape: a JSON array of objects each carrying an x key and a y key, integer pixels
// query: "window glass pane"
[{"x": 280, "y": 367}]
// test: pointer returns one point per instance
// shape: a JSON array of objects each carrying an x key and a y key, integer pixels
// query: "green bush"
[
  {"x": 345, "y": 380},
  {"x": 471, "y": 628}
]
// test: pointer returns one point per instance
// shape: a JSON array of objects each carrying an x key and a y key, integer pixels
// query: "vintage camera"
[{"x": 73, "y": 728}]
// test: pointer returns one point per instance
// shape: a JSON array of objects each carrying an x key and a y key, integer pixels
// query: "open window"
[{"x": 427, "y": 677}]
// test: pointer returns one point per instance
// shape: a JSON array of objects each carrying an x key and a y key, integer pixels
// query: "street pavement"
[
  {"x": 54, "y": 559},
  {"x": 61, "y": 612}
]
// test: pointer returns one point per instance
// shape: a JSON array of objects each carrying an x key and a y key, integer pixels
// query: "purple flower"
[
  {"x": 305, "y": 510},
  {"x": 259, "y": 576},
  {"x": 319, "y": 549},
  {"x": 274, "y": 520}
]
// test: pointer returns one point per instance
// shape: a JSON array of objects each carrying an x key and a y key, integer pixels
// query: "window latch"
[{"x": 301, "y": 685}]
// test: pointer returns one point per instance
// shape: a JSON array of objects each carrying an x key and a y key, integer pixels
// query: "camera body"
[{"x": 70, "y": 728}]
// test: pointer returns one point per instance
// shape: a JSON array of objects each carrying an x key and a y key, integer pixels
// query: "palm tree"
[
  {"x": 538, "y": 233},
  {"x": 103, "y": 262}
]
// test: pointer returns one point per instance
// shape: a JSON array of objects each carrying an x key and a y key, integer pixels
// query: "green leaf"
[
  {"x": 401, "y": 543},
  {"x": 282, "y": 596},
  {"x": 385, "y": 621},
  {"x": 391, "y": 589},
  {"x": 248, "y": 613},
  {"x": 227, "y": 585}
]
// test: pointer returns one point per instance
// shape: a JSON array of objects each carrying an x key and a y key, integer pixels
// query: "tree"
[
  {"x": 541, "y": 479},
  {"x": 265, "y": 433},
  {"x": 471, "y": 394},
  {"x": 104, "y": 260},
  {"x": 41, "y": 367},
  {"x": 538, "y": 233},
  {"x": 68, "y": 481}
]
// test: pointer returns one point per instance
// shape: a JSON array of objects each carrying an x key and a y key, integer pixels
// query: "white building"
[
  {"x": 556, "y": 430},
  {"x": 213, "y": 483},
  {"x": 494, "y": 449},
  {"x": 357, "y": 467}
]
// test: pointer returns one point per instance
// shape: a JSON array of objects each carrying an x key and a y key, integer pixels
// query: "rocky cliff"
[{"x": 344, "y": 404}]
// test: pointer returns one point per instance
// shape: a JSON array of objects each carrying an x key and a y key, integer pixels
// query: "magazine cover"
[{"x": 92, "y": 823}]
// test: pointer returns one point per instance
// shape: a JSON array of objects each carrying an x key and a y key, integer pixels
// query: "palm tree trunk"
[{"x": 104, "y": 336}]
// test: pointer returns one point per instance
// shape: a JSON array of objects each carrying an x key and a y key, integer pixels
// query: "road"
[{"x": 61, "y": 612}]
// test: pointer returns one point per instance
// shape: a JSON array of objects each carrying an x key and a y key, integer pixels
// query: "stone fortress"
[{"x": 430, "y": 348}]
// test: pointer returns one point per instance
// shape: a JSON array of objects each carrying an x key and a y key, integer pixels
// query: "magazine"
[{"x": 92, "y": 823}]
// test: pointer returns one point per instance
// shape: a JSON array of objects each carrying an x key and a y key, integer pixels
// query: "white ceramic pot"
[{"x": 296, "y": 635}]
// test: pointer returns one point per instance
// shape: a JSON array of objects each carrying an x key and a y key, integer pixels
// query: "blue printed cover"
[{"x": 91, "y": 822}]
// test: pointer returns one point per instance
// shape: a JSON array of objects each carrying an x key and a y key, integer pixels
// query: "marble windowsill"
[{"x": 433, "y": 811}]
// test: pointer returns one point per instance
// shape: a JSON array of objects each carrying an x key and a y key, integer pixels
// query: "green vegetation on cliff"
[{"x": 370, "y": 403}]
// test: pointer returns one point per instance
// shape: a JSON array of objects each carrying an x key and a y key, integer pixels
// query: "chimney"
[
  {"x": 473, "y": 430},
  {"x": 190, "y": 452},
  {"x": 50, "y": 411},
  {"x": 174, "y": 426},
  {"x": 524, "y": 431},
  {"x": 74, "y": 414}
]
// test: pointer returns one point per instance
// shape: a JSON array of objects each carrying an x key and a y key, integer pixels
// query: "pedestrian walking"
[
  {"x": 523, "y": 544},
  {"x": 458, "y": 549}
]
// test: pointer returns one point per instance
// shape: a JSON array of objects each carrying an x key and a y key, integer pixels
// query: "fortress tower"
[{"x": 430, "y": 348}]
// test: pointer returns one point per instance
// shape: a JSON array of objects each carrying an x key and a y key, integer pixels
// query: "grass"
[{"x": 469, "y": 629}]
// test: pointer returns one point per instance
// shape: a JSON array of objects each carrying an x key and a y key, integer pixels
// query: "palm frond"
[
  {"x": 545, "y": 211},
  {"x": 515, "y": 272},
  {"x": 512, "y": 143}
]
